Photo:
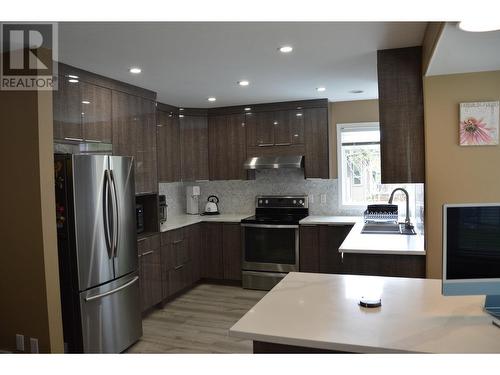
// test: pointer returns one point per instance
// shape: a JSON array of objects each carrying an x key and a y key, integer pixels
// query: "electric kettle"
[{"x": 211, "y": 207}]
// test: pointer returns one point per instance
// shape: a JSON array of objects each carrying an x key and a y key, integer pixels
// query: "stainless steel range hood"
[{"x": 274, "y": 162}]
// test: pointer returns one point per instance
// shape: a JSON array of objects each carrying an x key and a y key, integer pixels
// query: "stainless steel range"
[{"x": 271, "y": 240}]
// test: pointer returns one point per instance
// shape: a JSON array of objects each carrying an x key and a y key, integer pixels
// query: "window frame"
[{"x": 340, "y": 185}]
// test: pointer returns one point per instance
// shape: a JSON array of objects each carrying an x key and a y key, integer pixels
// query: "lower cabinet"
[
  {"x": 150, "y": 271},
  {"x": 221, "y": 251},
  {"x": 319, "y": 245}
]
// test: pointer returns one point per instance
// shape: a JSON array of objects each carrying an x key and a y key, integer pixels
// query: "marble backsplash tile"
[{"x": 238, "y": 196}]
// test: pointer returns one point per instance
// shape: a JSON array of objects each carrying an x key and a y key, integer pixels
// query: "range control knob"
[
  {"x": 294, "y": 201},
  {"x": 260, "y": 201},
  {"x": 267, "y": 201},
  {"x": 301, "y": 203}
]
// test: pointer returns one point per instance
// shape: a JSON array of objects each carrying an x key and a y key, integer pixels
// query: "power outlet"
[
  {"x": 323, "y": 198},
  {"x": 34, "y": 345},
  {"x": 20, "y": 342}
]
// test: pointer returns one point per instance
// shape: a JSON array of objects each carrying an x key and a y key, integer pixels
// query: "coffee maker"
[{"x": 192, "y": 200}]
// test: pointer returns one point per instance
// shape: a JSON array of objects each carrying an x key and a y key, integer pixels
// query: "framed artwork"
[{"x": 479, "y": 123}]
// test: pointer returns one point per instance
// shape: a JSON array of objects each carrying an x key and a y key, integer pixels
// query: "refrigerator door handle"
[
  {"x": 97, "y": 296},
  {"x": 107, "y": 234},
  {"x": 116, "y": 215}
]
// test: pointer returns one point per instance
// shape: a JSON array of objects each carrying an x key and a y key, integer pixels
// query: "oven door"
[{"x": 269, "y": 247}]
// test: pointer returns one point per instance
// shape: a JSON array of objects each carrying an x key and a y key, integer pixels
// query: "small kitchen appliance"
[
  {"x": 212, "y": 207},
  {"x": 192, "y": 200}
]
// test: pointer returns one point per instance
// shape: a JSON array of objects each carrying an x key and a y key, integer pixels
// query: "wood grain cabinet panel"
[
  {"x": 168, "y": 147},
  {"x": 296, "y": 125},
  {"x": 231, "y": 251},
  {"x": 96, "y": 113},
  {"x": 385, "y": 265},
  {"x": 330, "y": 239},
  {"x": 309, "y": 249},
  {"x": 194, "y": 144},
  {"x": 193, "y": 234},
  {"x": 401, "y": 115},
  {"x": 150, "y": 273},
  {"x": 67, "y": 101},
  {"x": 227, "y": 147},
  {"x": 316, "y": 142},
  {"x": 211, "y": 253}
]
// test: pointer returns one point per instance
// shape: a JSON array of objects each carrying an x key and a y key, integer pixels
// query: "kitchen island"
[{"x": 307, "y": 313}]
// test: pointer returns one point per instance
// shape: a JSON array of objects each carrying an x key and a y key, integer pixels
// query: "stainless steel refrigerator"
[{"x": 98, "y": 266}]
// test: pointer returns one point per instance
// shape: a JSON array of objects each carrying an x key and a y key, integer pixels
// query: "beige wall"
[
  {"x": 455, "y": 174},
  {"x": 29, "y": 281},
  {"x": 345, "y": 113}
]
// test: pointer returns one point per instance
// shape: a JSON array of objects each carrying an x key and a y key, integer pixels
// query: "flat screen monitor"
[{"x": 471, "y": 249}]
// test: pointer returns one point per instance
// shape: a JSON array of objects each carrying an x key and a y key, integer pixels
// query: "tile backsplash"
[{"x": 237, "y": 196}]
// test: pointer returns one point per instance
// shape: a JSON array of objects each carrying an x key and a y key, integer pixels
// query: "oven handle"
[{"x": 270, "y": 226}]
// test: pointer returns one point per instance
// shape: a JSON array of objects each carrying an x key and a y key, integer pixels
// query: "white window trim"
[{"x": 339, "y": 161}]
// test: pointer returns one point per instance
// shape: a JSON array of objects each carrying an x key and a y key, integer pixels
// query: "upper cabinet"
[
  {"x": 316, "y": 142},
  {"x": 194, "y": 147},
  {"x": 275, "y": 128},
  {"x": 401, "y": 115},
  {"x": 134, "y": 134},
  {"x": 168, "y": 145},
  {"x": 227, "y": 147},
  {"x": 96, "y": 113}
]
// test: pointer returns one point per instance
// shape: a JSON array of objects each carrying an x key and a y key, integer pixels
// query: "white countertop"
[
  {"x": 179, "y": 221},
  {"x": 322, "y": 311},
  {"x": 396, "y": 244},
  {"x": 330, "y": 220}
]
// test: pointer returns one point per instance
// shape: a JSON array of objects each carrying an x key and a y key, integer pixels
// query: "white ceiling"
[
  {"x": 460, "y": 51},
  {"x": 185, "y": 63}
]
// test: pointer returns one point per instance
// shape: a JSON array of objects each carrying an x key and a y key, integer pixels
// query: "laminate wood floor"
[{"x": 198, "y": 322}]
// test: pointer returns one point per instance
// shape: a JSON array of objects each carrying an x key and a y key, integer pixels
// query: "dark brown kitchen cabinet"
[
  {"x": 316, "y": 142},
  {"x": 134, "y": 134},
  {"x": 193, "y": 233},
  {"x": 275, "y": 128},
  {"x": 82, "y": 112},
  {"x": 67, "y": 110},
  {"x": 194, "y": 147},
  {"x": 176, "y": 262},
  {"x": 211, "y": 251},
  {"x": 168, "y": 147},
  {"x": 401, "y": 115},
  {"x": 150, "y": 271},
  {"x": 384, "y": 265},
  {"x": 96, "y": 113},
  {"x": 260, "y": 129},
  {"x": 227, "y": 147},
  {"x": 319, "y": 248},
  {"x": 231, "y": 251},
  {"x": 330, "y": 239}
]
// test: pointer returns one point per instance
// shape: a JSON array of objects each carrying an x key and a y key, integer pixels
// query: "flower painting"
[{"x": 479, "y": 123}]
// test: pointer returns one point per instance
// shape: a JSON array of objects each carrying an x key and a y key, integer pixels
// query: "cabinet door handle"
[
  {"x": 179, "y": 267},
  {"x": 147, "y": 253},
  {"x": 178, "y": 241}
]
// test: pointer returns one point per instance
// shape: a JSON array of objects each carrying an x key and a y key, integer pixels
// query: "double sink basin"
[{"x": 387, "y": 228}]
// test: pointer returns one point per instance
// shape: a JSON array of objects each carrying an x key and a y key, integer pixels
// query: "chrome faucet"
[{"x": 407, "y": 220}]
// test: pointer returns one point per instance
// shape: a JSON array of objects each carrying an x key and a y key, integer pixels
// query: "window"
[{"x": 358, "y": 153}]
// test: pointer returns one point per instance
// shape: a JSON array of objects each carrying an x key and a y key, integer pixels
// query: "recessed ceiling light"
[
  {"x": 72, "y": 76},
  {"x": 85, "y": 102},
  {"x": 72, "y": 80},
  {"x": 479, "y": 26},
  {"x": 321, "y": 89},
  {"x": 356, "y": 91},
  {"x": 211, "y": 99},
  {"x": 286, "y": 49},
  {"x": 243, "y": 83},
  {"x": 248, "y": 109},
  {"x": 135, "y": 70}
]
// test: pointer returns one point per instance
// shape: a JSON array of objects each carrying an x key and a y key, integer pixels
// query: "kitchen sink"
[{"x": 387, "y": 228}]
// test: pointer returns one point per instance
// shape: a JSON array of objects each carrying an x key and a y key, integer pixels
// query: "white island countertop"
[
  {"x": 389, "y": 244},
  {"x": 183, "y": 220},
  {"x": 322, "y": 311},
  {"x": 330, "y": 220}
]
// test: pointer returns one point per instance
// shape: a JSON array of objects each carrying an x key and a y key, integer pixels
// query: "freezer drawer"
[{"x": 111, "y": 315}]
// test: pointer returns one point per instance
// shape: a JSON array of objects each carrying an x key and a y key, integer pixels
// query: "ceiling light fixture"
[
  {"x": 135, "y": 70},
  {"x": 356, "y": 91},
  {"x": 479, "y": 26},
  {"x": 286, "y": 49},
  {"x": 243, "y": 83},
  {"x": 212, "y": 99},
  {"x": 320, "y": 89}
]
